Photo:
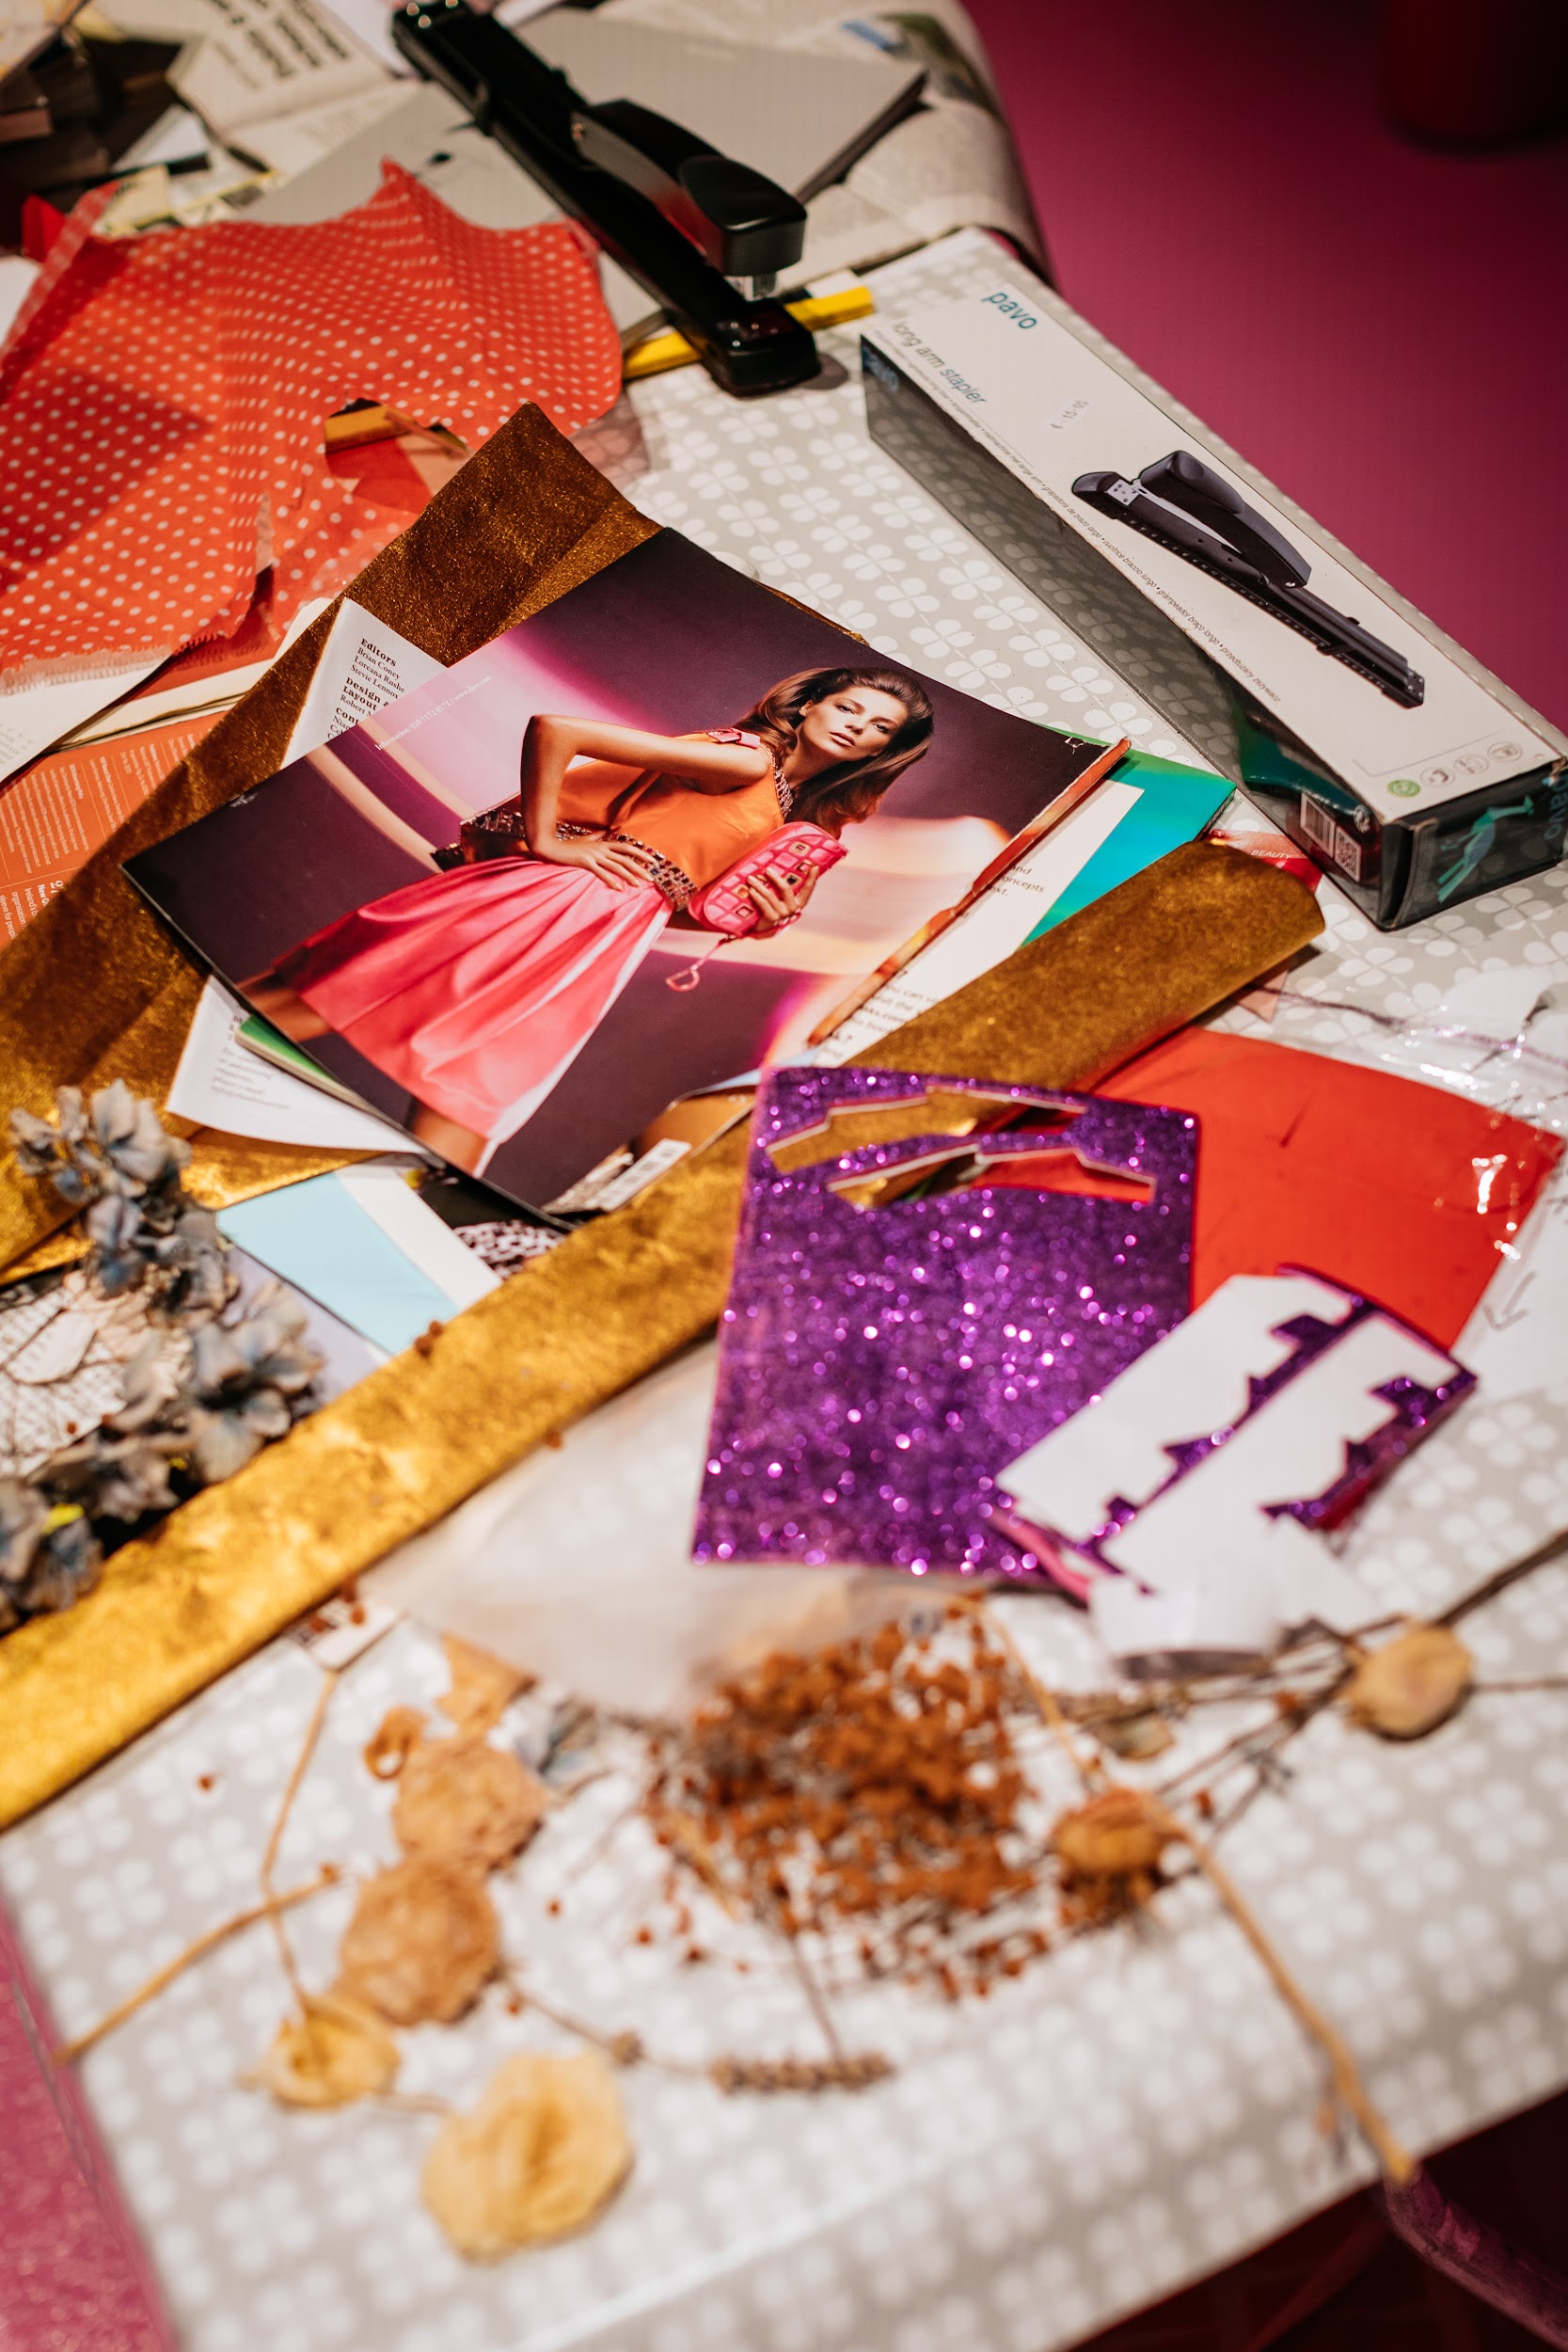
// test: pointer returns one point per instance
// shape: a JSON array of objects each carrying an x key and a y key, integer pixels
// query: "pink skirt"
[{"x": 477, "y": 989}]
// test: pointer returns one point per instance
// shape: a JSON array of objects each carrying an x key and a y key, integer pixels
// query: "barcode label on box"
[{"x": 1341, "y": 848}]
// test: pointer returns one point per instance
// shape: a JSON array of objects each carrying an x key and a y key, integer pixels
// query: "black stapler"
[
  {"x": 1184, "y": 505},
  {"x": 707, "y": 236}
]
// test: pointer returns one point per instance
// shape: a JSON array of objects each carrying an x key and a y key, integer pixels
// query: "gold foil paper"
[{"x": 390, "y": 1456}]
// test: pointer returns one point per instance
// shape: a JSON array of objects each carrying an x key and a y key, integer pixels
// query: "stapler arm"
[
  {"x": 681, "y": 219},
  {"x": 1184, "y": 505}
]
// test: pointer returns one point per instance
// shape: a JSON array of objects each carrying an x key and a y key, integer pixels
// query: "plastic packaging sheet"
[{"x": 577, "y": 1564}]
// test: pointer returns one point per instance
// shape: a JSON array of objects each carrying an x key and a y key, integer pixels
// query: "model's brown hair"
[{"x": 843, "y": 794}]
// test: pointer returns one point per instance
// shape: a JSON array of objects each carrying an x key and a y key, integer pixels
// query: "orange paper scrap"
[{"x": 57, "y": 812}]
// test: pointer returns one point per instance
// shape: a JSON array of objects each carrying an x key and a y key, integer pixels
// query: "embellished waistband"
[{"x": 676, "y": 885}]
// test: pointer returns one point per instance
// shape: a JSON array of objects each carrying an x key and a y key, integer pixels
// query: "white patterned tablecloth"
[{"x": 1137, "y": 2110}]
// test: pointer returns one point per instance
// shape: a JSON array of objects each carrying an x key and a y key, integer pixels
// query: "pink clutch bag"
[{"x": 725, "y": 904}]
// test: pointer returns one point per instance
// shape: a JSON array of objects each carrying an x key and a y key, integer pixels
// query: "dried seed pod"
[
  {"x": 544, "y": 2151},
  {"x": 1139, "y": 1737},
  {"x": 1113, "y": 1836},
  {"x": 423, "y": 1939},
  {"x": 1412, "y": 1684},
  {"x": 483, "y": 1687},
  {"x": 858, "y": 2070},
  {"x": 462, "y": 1796},
  {"x": 337, "y": 2051},
  {"x": 387, "y": 1752}
]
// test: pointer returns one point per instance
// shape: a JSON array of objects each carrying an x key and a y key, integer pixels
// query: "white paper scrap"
[
  {"x": 1192, "y": 1383},
  {"x": 993, "y": 928},
  {"x": 34, "y": 718},
  {"x": 1207, "y": 1559},
  {"x": 16, "y": 283},
  {"x": 364, "y": 665},
  {"x": 221, "y": 1083}
]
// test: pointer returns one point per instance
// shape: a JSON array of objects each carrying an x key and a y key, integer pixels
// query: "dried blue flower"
[
  {"x": 200, "y": 1396},
  {"x": 131, "y": 1136},
  {"x": 114, "y": 1227},
  {"x": 66, "y": 1564},
  {"x": 22, "y": 1513},
  {"x": 149, "y": 1385},
  {"x": 224, "y": 1439}
]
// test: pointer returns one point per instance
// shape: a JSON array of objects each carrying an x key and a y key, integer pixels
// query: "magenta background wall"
[{"x": 1382, "y": 327}]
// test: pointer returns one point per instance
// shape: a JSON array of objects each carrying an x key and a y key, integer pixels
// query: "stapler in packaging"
[
  {"x": 1184, "y": 505},
  {"x": 707, "y": 236}
]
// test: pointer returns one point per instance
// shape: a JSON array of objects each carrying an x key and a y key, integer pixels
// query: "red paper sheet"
[
  {"x": 1397, "y": 1189},
  {"x": 162, "y": 401}
]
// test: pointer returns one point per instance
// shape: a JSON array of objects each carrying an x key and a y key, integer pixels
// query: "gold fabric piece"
[
  {"x": 396, "y": 1453},
  {"x": 96, "y": 988}
]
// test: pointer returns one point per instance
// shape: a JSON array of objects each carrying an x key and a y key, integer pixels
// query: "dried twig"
[
  {"x": 1500, "y": 1583},
  {"x": 1088, "y": 1769},
  {"x": 269, "y": 1859},
  {"x": 327, "y": 1876},
  {"x": 1397, "y": 2165}
]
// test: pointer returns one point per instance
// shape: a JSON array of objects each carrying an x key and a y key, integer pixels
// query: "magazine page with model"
[{"x": 634, "y": 847}]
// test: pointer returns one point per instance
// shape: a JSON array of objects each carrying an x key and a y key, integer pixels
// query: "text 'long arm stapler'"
[
  {"x": 1184, "y": 505},
  {"x": 684, "y": 221}
]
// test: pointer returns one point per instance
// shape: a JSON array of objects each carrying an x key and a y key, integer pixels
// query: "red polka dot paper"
[{"x": 162, "y": 401}]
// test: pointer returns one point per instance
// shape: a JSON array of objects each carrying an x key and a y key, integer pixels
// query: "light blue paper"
[{"x": 318, "y": 1238}]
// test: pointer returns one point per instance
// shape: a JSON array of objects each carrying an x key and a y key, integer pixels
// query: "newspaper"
[
  {"x": 949, "y": 165},
  {"x": 285, "y": 81}
]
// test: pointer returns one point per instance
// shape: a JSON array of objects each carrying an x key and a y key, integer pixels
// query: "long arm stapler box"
[{"x": 1408, "y": 772}]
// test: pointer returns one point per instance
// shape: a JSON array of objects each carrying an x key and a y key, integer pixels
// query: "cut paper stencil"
[
  {"x": 931, "y": 1274},
  {"x": 1198, "y": 1489}
]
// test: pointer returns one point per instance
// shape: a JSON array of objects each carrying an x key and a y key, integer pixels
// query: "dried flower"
[
  {"x": 387, "y": 1751},
  {"x": 37, "y": 1145},
  {"x": 463, "y": 1797},
  {"x": 200, "y": 1396},
  {"x": 114, "y": 1225},
  {"x": 1412, "y": 1684},
  {"x": 131, "y": 1136},
  {"x": 22, "y": 1513},
  {"x": 542, "y": 2154},
  {"x": 1139, "y": 1737},
  {"x": 334, "y": 2052},
  {"x": 49, "y": 1555},
  {"x": 243, "y": 1376},
  {"x": 423, "y": 1940},
  {"x": 482, "y": 1686},
  {"x": 1110, "y": 1852}
]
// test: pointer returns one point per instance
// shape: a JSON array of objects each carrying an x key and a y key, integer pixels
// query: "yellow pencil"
[{"x": 669, "y": 349}]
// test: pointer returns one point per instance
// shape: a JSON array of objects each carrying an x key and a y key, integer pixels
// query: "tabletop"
[{"x": 1133, "y": 2112}]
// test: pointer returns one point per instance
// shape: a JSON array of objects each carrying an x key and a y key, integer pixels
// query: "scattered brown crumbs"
[{"x": 868, "y": 1794}]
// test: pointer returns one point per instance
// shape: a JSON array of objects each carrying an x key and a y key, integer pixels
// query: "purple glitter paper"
[{"x": 877, "y": 1365}]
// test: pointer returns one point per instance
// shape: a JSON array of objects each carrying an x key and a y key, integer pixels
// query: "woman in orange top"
[{"x": 476, "y": 988}]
